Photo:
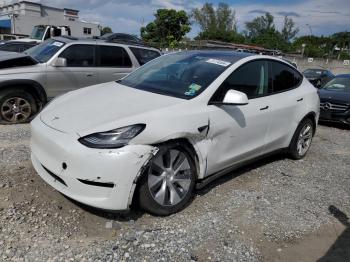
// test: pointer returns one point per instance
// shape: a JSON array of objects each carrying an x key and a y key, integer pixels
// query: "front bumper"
[
  {"x": 343, "y": 117},
  {"x": 102, "y": 178}
]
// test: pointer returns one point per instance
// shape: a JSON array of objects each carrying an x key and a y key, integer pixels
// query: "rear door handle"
[
  {"x": 89, "y": 74},
  {"x": 301, "y": 99},
  {"x": 264, "y": 108}
]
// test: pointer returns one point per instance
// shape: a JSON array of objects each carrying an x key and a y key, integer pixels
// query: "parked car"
[
  {"x": 178, "y": 122},
  {"x": 335, "y": 100},
  {"x": 318, "y": 77},
  {"x": 16, "y": 46},
  {"x": 122, "y": 37},
  {"x": 59, "y": 65}
]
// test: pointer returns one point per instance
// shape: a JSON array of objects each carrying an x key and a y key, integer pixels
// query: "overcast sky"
[{"x": 323, "y": 17}]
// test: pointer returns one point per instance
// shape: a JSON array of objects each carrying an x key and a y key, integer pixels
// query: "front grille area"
[
  {"x": 57, "y": 178},
  {"x": 334, "y": 107}
]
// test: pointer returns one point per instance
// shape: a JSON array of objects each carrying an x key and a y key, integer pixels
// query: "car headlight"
[{"x": 112, "y": 139}]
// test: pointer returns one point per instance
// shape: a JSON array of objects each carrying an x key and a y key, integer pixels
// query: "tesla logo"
[{"x": 55, "y": 118}]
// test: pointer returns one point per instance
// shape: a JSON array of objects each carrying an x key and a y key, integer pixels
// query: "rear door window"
[
  {"x": 113, "y": 56},
  {"x": 144, "y": 55},
  {"x": 79, "y": 55},
  {"x": 284, "y": 77}
]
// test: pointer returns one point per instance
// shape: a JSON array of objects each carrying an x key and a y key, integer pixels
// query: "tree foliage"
[
  {"x": 335, "y": 46},
  {"x": 168, "y": 28},
  {"x": 216, "y": 23},
  {"x": 289, "y": 31},
  {"x": 260, "y": 25},
  {"x": 106, "y": 30}
]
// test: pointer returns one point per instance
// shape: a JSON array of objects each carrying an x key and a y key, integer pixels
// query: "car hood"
[
  {"x": 331, "y": 95},
  {"x": 104, "y": 107},
  {"x": 4, "y": 55},
  {"x": 13, "y": 59}
]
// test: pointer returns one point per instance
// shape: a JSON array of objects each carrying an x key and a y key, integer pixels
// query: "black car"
[
  {"x": 122, "y": 37},
  {"x": 16, "y": 46},
  {"x": 335, "y": 100},
  {"x": 318, "y": 77}
]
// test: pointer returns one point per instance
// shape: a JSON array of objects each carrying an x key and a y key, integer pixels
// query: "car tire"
[
  {"x": 16, "y": 106},
  {"x": 302, "y": 139},
  {"x": 166, "y": 186}
]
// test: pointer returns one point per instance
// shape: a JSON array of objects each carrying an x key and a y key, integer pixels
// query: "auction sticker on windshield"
[
  {"x": 59, "y": 44},
  {"x": 218, "y": 62}
]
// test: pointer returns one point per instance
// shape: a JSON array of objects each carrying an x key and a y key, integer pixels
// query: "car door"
[
  {"x": 79, "y": 72},
  {"x": 238, "y": 133},
  {"x": 285, "y": 106},
  {"x": 113, "y": 63}
]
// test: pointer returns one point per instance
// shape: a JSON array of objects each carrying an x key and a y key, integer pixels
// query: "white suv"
[
  {"x": 179, "y": 121},
  {"x": 59, "y": 65}
]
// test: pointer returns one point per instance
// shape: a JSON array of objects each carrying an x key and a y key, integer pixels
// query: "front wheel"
[
  {"x": 302, "y": 139},
  {"x": 16, "y": 106},
  {"x": 167, "y": 185}
]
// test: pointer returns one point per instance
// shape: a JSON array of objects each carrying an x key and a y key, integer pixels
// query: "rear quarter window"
[
  {"x": 284, "y": 77},
  {"x": 144, "y": 55}
]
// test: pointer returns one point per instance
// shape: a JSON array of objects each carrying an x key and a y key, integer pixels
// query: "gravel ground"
[{"x": 274, "y": 210}]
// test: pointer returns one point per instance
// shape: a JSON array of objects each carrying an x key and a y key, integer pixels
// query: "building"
[{"x": 19, "y": 18}]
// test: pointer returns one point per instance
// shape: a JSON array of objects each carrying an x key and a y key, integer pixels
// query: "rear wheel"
[
  {"x": 16, "y": 106},
  {"x": 167, "y": 185},
  {"x": 302, "y": 139}
]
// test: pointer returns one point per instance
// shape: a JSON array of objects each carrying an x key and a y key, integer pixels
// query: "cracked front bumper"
[{"x": 102, "y": 178}]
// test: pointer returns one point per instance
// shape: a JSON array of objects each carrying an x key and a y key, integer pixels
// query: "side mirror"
[
  {"x": 60, "y": 62},
  {"x": 233, "y": 97}
]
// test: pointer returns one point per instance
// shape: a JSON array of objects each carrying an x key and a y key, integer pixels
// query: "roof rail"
[
  {"x": 128, "y": 42},
  {"x": 69, "y": 37}
]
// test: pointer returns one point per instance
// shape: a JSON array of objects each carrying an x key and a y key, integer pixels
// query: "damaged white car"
[{"x": 174, "y": 124}]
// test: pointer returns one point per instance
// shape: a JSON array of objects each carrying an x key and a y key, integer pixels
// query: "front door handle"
[
  {"x": 301, "y": 99},
  {"x": 89, "y": 74},
  {"x": 264, "y": 108}
]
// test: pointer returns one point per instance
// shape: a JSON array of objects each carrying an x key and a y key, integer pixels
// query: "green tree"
[
  {"x": 168, "y": 28},
  {"x": 289, "y": 31},
  {"x": 260, "y": 26},
  {"x": 106, "y": 30},
  {"x": 262, "y": 31},
  {"x": 315, "y": 46},
  {"x": 216, "y": 23}
]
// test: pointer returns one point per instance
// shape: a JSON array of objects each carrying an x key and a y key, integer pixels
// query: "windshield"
[
  {"x": 338, "y": 84},
  {"x": 38, "y": 32},
  {"x": 183, "y": 75},
  {"x": 43, "y": 52},
  {"x": 313, "y": 72}
]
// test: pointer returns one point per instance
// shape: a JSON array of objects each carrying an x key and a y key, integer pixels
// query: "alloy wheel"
[
  {"x": 304, "y": 140},
  {"x": 16, "y": 109},
  {"x": 169, "y": 177}
]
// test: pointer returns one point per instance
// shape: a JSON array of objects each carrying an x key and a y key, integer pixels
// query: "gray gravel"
[{"x": 252, "y": 214}]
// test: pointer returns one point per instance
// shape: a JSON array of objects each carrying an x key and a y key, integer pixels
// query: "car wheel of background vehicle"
[
  {"x": 302, "y": 139},
  {"x": 16, "y": 106},
  {"x": 167, "y": 185}
]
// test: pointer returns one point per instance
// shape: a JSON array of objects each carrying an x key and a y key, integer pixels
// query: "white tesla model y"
[{"x": 174, "y": 124}]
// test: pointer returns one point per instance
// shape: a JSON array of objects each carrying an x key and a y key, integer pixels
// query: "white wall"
[{"x": 30, "y": 15}]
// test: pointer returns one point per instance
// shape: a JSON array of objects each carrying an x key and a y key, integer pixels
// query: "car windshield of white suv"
[
  {"x": 38, "y": 32},
  {"x": 338, "y": 84},
  {"x": 43, "y": 52},
  {"x": 183, "y": 75}
]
